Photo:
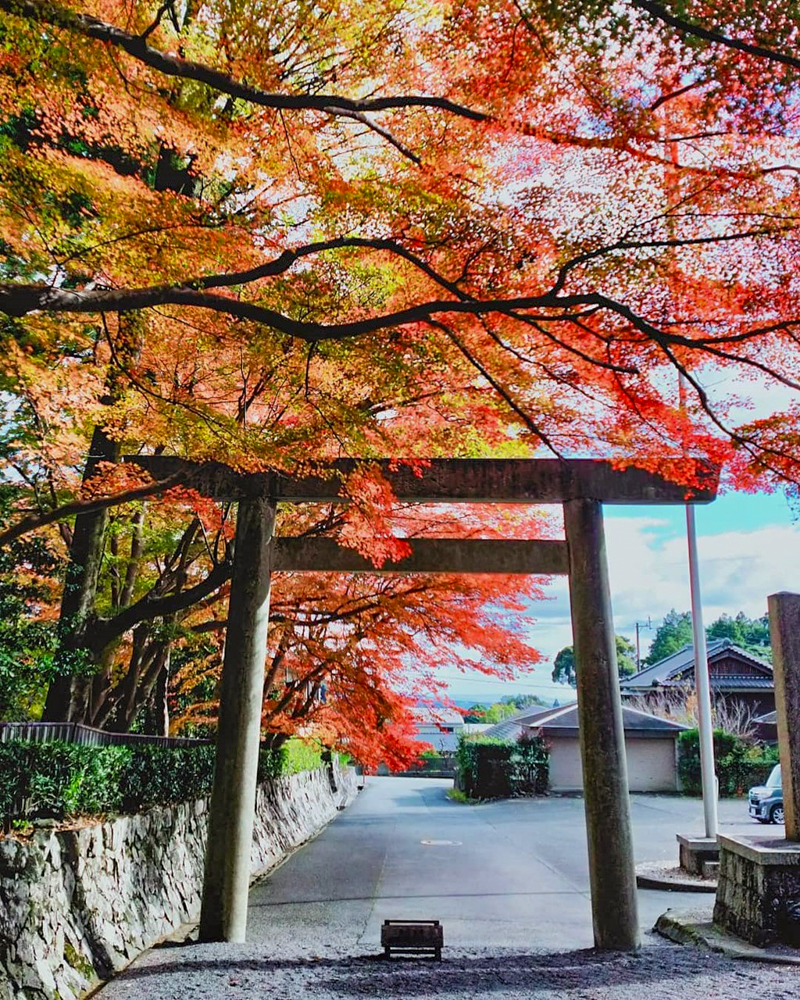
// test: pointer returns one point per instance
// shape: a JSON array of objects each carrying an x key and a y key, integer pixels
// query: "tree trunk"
[
  {"x": 161, "y": 701},
  {"x": 69, "y": 694}
]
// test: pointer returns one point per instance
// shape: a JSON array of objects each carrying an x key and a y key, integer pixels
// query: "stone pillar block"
[
  {"x": 758, "y": 892},
  {"x": 695, "y": 852},
  {"x": 784, "y": 627}
]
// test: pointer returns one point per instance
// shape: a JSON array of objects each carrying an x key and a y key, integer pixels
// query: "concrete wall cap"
[
  {"x": 762, "y": 851},
  {"x": 697, "y": 843}
]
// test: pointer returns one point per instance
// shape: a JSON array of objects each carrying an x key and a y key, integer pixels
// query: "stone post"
[
  {"x": 230, "y": 833},
  {"x": 784, "y": 626},
  {"x": 602, "y": 737}
]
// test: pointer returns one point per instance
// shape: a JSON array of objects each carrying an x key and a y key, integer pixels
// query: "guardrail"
[{"x": 73, "y": 732}]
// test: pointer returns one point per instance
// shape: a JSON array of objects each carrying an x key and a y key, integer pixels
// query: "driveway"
[{"x": 508, "y": 880}]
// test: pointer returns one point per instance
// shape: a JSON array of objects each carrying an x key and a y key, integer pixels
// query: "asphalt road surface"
[
  {"x": 508, "y": 880},
  {"x": 510, "y": 873}
]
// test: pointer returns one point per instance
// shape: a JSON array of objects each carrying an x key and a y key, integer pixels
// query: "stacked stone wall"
[
  {"x": 758, "y": 890},
  {"x": 77, "y": 905}
]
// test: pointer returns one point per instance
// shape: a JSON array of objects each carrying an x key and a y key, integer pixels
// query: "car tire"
[{"x": 776, "y": 814}]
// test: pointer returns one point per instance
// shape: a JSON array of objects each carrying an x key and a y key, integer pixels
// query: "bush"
[
  {"x": 292, "y": 757},
  {"x": 491, "y": 768},
  {"x": 433, "y": 762},
  {"x": 739, "y": 763},
  {"x": 58, "y": 780}
]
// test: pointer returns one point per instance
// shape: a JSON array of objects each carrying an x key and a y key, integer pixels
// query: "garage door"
[
  {"x": 565, "y": 764},
  {"x": 651, "y": 765}
]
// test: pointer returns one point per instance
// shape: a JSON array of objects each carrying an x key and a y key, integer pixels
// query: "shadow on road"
[
  {"x": 660, "y": 971},
  {"x": 327, "y": 898}
]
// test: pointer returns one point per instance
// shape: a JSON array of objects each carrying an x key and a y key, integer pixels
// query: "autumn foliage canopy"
[{"x": 278, "y": 233}]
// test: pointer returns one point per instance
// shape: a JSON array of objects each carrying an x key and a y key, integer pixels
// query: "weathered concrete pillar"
[
  {"x": 605, "y": 777},
  {"x": 227, "y": 867},
  {"x": 784, "y": 627}
]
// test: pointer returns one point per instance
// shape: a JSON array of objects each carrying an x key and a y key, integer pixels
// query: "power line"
[{"x": 481, "y": 680}]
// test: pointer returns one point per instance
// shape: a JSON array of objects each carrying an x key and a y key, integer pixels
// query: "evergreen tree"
[
  {"x": 672, "y": 635},
  {"x": 751, "y": 634},
  {"x": 564, "y": 664}
]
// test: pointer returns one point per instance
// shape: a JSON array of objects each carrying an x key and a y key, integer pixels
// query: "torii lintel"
[{"x": 457, "y": 480}]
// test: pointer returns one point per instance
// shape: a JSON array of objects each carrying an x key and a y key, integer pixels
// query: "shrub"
[
  {"x": 57, "y": 780},
  {"x": 493, "y": 768},
  {"x": 456, "y": 795},
  {"x": 739, "y": 763},
  {"x": 301, "y": 756},
  {"x": 291, "y": 757}
]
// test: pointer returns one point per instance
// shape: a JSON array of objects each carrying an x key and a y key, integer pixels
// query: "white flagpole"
[{"x": 702, "y": 684}]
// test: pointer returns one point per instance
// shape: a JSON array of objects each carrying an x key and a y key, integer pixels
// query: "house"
[
  {"x": 441, "y": 727},
  {"x": 650, "y": 744},
  {"x": 734, "y": 674}
]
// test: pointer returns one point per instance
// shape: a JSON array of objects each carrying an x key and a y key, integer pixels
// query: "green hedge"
[
  {"x": 740, "y": 763},
  {"x": 492, "y": 768},
  {"x": 296, "y": 755},
  {"x": 57, "y": 780}
]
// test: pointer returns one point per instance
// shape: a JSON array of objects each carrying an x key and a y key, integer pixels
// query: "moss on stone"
[{"x": 78, "y": 962}]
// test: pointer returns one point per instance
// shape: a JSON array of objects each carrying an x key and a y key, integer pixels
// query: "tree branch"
[
  {"x": 18, "y": 300},
  {"x": 34, "y": 521},
  {"x": 498, "y": 387},
  {"x": 661, "y": 13},
  {"x": 283, "y": 262},
  {"x": 105, "y": 630},
  {"x": 173, "y": 65},
  {"x": 675, "y": 242}
]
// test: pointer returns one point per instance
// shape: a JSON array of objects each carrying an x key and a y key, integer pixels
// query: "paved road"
[
  {"x": 512, "y": 873},
  {"x": 509, "y": 881}
]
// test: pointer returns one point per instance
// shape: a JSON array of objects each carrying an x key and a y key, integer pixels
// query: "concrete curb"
[
  {"x": 695, "y": 927},
  {"x": 649, "y": 876}
]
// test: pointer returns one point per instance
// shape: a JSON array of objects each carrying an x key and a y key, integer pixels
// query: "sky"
[{"x": 749, "y": 547}]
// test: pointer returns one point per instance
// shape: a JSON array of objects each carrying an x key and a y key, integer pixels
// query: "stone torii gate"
[{"x": 582, "y": 486}]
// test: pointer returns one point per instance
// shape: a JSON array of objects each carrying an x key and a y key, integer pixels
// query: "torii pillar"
[
  {"x": 226, "y": 883},
  {"x": 784, "y": 622},
  {"x": 602, "y": 736}
]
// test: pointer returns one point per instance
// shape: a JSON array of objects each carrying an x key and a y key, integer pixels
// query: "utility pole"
[{"x": 637, "y": 626}]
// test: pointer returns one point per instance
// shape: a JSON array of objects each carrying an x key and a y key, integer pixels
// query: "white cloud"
[
  {"x": 649, "y": 576},
  {"x": 738, "y": 569}
]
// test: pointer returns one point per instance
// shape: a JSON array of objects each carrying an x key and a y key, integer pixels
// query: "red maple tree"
[{"x": 491, "y": 228}]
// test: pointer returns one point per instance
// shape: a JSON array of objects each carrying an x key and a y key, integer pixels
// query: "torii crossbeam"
[{"x": 582, "y": 487}]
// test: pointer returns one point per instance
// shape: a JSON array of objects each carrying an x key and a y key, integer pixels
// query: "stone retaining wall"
[
  {"x": 78, "y": 905},
  {"x": 758, "y": 890}
]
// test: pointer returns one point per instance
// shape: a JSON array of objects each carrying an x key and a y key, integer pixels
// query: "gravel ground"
[
  {"x": 212, "y": 972},
  {"x": 509, "y": 880}
]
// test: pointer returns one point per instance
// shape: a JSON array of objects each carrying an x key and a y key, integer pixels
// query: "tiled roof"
[
  {"x": 730, "y": 682},
  {"x": 633, "y": 720},
  {"x": 444, "y": 742},
  {"x": 565, "y": 720},
  {"x": 508, "y": 729},
  {"x": 682, "y": 661},
  {"x": 511, "y": 728}
]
